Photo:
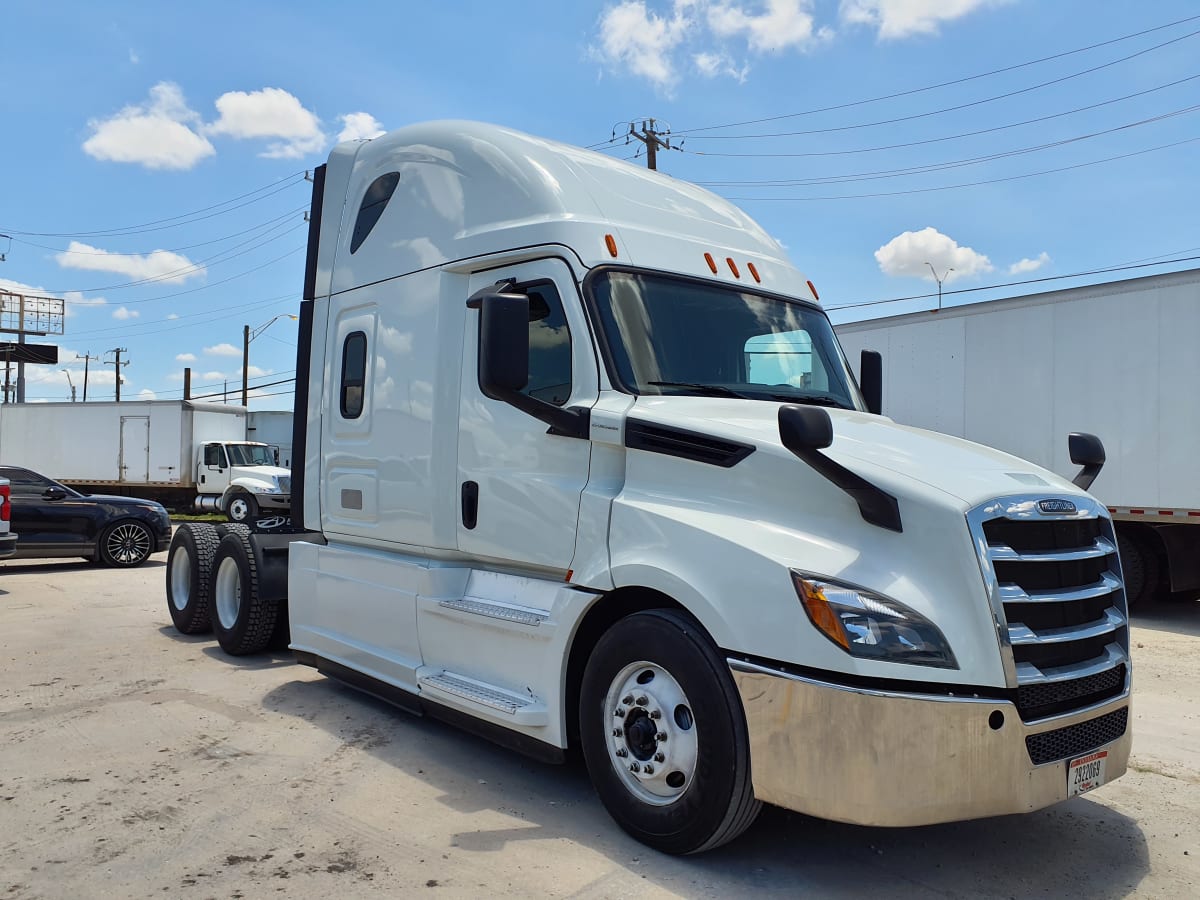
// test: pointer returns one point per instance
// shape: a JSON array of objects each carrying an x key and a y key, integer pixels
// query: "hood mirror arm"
[
  {"x": 805, "y": 431},
  {"x": 1086, "y": 450}
]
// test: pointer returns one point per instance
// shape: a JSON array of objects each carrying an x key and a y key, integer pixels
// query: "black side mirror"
[
  {"x": 53, "y": 493},
  {"x": 870, "y": 380},
  {"x": 1088, "y": 451},
  {"x": 803, "y": 429},
  {"x": 503, "y": 342}
]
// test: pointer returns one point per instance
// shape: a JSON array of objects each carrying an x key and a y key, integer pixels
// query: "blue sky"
[{"x": 152, "y": 170}]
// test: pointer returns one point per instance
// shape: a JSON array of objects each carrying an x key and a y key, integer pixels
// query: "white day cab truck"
[
  {"x": 181, "y": 453},
  {"x": 1014, "y": 373},
  {"x": 579, "y": 464}
]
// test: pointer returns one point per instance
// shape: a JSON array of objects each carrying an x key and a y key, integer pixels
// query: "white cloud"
[
  {"x": 159, "y": 265},
  {"x": 172, "y": 316},
  {"x": 895, "y": 19},
  {"x": 159, "y": 134},
  {"x": 360, "y": 126},
  {"x": 641, "y": 41},
  {"x": 1029, "y": 265},
  {"x": 710, "y": 65},
  {"x": 147, "y": 394},
  {"x": 213, "y": 376},
  {"x": 223, "y": 350},
  {"x": 185, "y": 357},
  {"x": 122, "y": 312},
  {"x": 780, "y": 25},
  {"x": 910, "y": 255},
  {"x": 256, "y": 372},
  {"x": 269, "y": 113}
]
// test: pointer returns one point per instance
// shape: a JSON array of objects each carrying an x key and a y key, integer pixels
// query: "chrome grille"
[
  {"x": 1063, "y": 743},
  {"x": 285, "y": 484},
  {"x": 1059, "y": 603}
]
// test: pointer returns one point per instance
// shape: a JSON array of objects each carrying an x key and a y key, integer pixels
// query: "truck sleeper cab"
[{"x": 580, "y": 463}]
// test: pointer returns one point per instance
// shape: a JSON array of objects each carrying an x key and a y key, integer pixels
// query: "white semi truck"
[
  {"x": 1016, "y": 373},
  {"x": 182, "y": 453},
  {"x": 579, "y": 463}
]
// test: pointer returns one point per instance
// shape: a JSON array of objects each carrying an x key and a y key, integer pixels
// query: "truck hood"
[{"x": 875, "y": 447}]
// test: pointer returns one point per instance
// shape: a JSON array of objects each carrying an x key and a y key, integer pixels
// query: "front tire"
[
  {"x": 189, "y": 576},
  {"x": 125, "y": 544},
  {"x": 242, "y": 620},
  {"x": 243, "y": 508},
  {"x": 664, "y": 735}
]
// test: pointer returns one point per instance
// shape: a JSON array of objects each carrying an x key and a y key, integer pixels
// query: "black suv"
[{"x": 52, "y": 520}]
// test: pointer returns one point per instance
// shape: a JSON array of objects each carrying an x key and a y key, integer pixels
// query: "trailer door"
[{"x": 135, "y": 449}]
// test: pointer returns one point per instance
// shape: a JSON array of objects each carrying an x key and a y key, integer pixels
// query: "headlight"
[
  {"x": 259, "y": 488},
  {"x": 870, "y": 625}
]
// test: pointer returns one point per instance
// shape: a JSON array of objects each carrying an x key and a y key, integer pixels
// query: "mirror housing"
[
  {"x": 805, "y": 429},
  {"x": 870, "y": 380},
  {"x": 503, "y": 342},
  {"x": 1085, "y": 450}
]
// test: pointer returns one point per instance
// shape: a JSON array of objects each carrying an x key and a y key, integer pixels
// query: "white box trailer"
[
  {"x": 580, "y": 464},
  {"x": 1118, "y": 360},
  {"x": 272, "y": 427},
  {"x": 179, "y": 452}
]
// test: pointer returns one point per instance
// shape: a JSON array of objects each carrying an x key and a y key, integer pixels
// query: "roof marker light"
[
  {"x": 611, "y": 243},
  {"x": 754, "y": 272},
  {"x": 712, "y": 265},
  {"x": 813, "y": 288},
  {"x": 733, "y": 267}
]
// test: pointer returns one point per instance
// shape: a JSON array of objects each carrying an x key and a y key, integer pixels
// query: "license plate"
[{"x": 1086, "y": 773}]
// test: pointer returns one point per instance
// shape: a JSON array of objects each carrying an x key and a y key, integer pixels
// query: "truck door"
[
  {"x": 135, "y": 449},
  {"x": 519, "y": 487},
  {"x": 212, "y": 469}
]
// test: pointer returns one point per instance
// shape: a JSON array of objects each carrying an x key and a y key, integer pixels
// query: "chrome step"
[
  {"x": 493, "y": 698},
  {"x": 520, "y": 615}
]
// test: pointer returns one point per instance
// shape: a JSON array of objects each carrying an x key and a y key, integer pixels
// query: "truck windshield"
[
  {"x": 250, "y": 455},
  {"x": 672, "y": 336}
]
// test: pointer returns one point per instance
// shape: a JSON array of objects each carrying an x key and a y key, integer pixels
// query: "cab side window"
[
  {"x": 214, "y": 455},
  {"x": 549, "y": 345},
  {"x": 24, "y": 483},
  {"x": 354, "y": 374}
]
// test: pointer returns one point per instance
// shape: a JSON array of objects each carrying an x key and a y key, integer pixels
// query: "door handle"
[{"x": 470, "y": 504}]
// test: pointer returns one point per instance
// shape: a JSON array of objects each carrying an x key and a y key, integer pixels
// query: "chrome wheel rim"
[
  {"x": 128, "y": 543},
  {"x": 228, "y": 593},
  {"x": 652, "y": 738},
  {"x": 239, "y": 509},
  {"x": 181, "y": 578}
]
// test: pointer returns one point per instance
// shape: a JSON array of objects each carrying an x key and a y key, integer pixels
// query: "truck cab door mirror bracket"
[
  {"x": 1086, "y": 450},
  {"x": 806, "y": 431},
  {"x": 504, "y": 359}
]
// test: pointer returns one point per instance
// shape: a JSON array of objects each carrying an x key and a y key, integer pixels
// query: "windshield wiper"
[
  {"x": 706, "y": 390},
  {"x": 812, "y": 400}
]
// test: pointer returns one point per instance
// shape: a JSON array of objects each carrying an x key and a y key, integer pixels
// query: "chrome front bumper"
[
  {"x": 274, "y": 501},
  {"x": 879, "y": 758}
]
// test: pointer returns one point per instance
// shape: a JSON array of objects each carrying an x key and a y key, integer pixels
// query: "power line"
[
  {"x": 952, "y": 187},
  {"x": 963, "y": 80},
  {"x": 237, "y": 310},
  {"x": 193, "y": 216}
]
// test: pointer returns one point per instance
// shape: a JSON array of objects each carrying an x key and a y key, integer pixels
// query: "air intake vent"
[{"x": 684, "y": 444}]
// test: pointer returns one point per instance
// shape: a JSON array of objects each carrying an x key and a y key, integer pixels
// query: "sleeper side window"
[
  {"x": 354, "y": 374},
  {"x": 549, "y": 345},
  {"x": 374, "y": 202}
]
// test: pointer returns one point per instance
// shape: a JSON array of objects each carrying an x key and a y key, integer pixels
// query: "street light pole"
[
  {"x": 939, "y": 280},
  {"x": 249, "y": 334}
]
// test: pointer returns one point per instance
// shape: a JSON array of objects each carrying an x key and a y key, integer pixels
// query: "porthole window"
[
  {"x": 354, "y": 374},
  {"x": 375, "y": 200}
]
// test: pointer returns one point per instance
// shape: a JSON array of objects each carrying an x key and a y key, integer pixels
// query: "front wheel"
[
  {"x": 125, "y": 544},
  {"x": 242, "y": 508},
  {"x": 664, "y": 735}
]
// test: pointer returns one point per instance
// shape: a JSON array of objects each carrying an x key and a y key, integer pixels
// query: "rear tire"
[
  {"x": 189, "y": 576},
  {"x": 1140, "y": 565},
  {"x": 671, "y": 765},
  {"x": 242, "y": 620}
]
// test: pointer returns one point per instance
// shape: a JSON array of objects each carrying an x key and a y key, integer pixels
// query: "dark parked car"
[{"x": 52, "y": 520}]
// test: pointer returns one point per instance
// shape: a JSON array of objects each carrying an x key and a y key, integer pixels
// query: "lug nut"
[
  {"x": 661, "y": 736},
  {"x": 634, "y": 767},
  {"x": 649, "y": 770},
  {"x": 659, "y": 757},
  {"x": 621, "y": 751},
  {"x": 642, "y": 701},
  {"x": 655, "y": 714},
  {"x": 627, "y": 699},
  {"x": 619, "y": 712},
  {"x": 617, "y": 732}
]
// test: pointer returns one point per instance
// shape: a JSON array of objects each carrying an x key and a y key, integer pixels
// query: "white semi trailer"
[
  {"x": 579, "y": 463},
  {"x": 184, "y": 454},
  {"x": 1116, "y": 359}
]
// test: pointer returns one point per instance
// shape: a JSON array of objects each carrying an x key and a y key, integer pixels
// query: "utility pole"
[
  {"x": 187, "y": 383},
  {"x": 117, "y": 365},
  {"x": 87, "y": 357},
  {"x": 653, "y": 139},
  {"x": 245, "y": 365}
]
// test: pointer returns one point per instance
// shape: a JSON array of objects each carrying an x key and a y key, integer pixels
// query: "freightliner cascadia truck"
[{"x": 579, "y": 463}]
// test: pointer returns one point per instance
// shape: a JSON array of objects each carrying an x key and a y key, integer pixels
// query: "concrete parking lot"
[{"x": 135, "y": 762}]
